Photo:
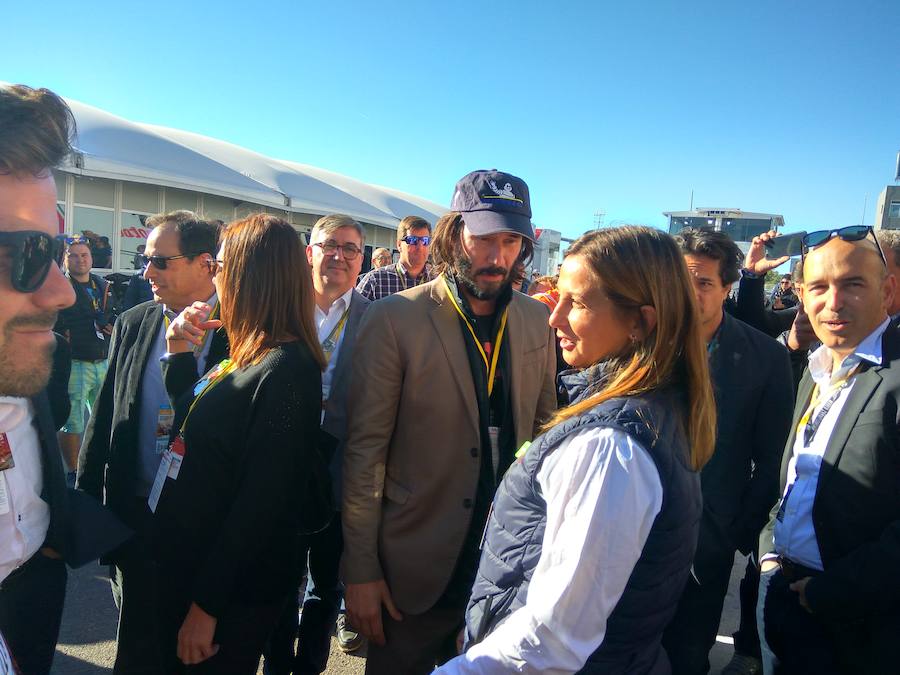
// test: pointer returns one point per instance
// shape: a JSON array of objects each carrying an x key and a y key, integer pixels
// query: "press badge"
[
  {"x": 4, "y": 496},
  {"x": 6, "y": 458},
  {"x": 159, "y": 481},
  {"x": 164, "y": 420}
]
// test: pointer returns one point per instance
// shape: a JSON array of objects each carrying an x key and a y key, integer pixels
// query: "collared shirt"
[
  {"x": 795, "y": 534},
  {"x": 390, "y": 279},
  {"x": 154, "y": 398},
  {"x": 326, "y": 322},
  {"x": 581, "y": 575},
  {"x": 23, "y": 528}
]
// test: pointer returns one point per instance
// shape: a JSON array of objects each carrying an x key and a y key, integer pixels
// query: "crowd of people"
[{"x": 425, "y": 460}]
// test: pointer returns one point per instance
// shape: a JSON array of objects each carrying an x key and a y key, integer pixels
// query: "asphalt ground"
[{"x": 88, "y": 634}]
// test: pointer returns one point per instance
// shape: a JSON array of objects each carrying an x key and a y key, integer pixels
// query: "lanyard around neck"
[
  {"x": 329, "y": 344},
  {"x": 490, "y": 365},
  {"x": 206, "y": 383},
  {"x": 833, "y": 392}
]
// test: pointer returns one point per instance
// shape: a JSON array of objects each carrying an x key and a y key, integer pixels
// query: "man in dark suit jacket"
[
  {"x": 130, "y": 422},
  {"x": 830, "y": 591},
  {"x": 34, "y": 506},
  {"x": 752, "y": 383},
  {"x": 335, "y": 256}
]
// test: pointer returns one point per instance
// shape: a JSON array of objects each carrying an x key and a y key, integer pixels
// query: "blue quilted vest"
[{"x": 515, "y": 530}]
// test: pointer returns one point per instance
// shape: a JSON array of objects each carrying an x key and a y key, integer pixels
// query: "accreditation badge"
[
  {"x": 164, "y": 420},
  {"x": 6, "y": 458},
  {"x": 177, "y": 452}
]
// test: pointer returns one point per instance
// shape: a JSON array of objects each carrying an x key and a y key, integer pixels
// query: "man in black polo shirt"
[{"x": 86, "y": 325}]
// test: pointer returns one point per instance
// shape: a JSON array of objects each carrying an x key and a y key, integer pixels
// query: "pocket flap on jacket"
[{"x": 394, "y": 491}]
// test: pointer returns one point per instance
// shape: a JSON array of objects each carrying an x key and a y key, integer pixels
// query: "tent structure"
[{"x": 111, "y": 147}]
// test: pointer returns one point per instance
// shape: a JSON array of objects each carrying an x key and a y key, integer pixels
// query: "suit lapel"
[
  {"x": 358, "y": 306},
  {"x": 864, "y": 385},
  {"x": 143, "y": 345},
  {"x": 446, "y": 325},
  {"x": 515, "y": 325}
]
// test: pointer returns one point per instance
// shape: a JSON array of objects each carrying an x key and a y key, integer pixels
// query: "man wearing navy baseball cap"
[{"x": 459, "y": 373}]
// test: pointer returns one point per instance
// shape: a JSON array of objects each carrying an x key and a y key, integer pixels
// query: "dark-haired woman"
[
  {"x": 226, "y": 501},
  {"x": 593, "y": 530}
]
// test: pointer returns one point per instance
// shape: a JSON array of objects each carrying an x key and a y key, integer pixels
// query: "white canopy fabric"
[{"x": 112, "y": 147}]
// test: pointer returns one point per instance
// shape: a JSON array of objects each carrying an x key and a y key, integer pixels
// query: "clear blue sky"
[{"x": 784, "y": 107}]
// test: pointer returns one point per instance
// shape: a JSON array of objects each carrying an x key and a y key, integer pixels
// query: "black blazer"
[
  {"x": 754, "y": 402},
  {"x": 856, "y": 513},
  {"x": 108, "y": 464}
]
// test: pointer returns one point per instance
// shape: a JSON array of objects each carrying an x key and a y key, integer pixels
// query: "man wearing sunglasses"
[
  {"x": 414, "y": 241},
  {"x": 829, "y": 589},
  {"x": 35, "y": 127},
  {"x": 130, "y": 423}
]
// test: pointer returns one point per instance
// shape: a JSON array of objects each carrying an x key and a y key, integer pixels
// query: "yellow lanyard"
[
  {"x": 329, "y": 344},
  {"x": 495, "y": 354},
  {"x": 817, "y": 398},
  {"x": 212, "y": 378}
]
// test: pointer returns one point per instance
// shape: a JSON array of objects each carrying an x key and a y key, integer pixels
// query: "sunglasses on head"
[
  {"x": 161, "y": 262},
  {"x": 31, "y": 253},
  {"x": 413, "y": 239},
  {"x": 849, "y": 233}
]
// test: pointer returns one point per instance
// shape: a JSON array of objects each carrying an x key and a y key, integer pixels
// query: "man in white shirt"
[
  {"x": 829, "y": 599},
  {"x": 335, "y": 254},
  {"x": 35, "y": 128}
]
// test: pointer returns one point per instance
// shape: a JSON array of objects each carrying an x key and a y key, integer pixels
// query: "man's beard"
[
  {"x": 26, "y": 377},
  {"x": 466, "y": 276}
]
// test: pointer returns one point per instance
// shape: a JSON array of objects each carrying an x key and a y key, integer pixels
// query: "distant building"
[
  {"x": 887, "y": 214},
  {"x": 546, "y": 251},
  {"x": 741, "y": 226}
]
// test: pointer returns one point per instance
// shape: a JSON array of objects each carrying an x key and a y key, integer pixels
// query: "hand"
[
  {"x": 107, "y": 329},
  {"x": 189, "y": 327},
  {"x": 801, "y": 334},
  {"x": 769, "y": 565},
  {"x": 195, "y": 639},
  {"x": 756, "y": 261},
  {"x": 778, "y": 304},
  {"x": 799, "y": 587},
  {"x": 460, "y": 640},
  {"x": 364, "y": 603}
]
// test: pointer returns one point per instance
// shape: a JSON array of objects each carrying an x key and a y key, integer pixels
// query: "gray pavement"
[{"x": 87, "y": 638}]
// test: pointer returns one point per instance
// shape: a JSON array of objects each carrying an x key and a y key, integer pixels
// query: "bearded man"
[{"x": 459, "y": 373}]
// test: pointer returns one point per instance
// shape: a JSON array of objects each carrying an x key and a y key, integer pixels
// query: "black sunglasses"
[
  {"x": 849, "y": 233},
  {"x": 413, "y": 239},
  {"x": 32, "y": 254},
  {"x": 161, "y": 262}
]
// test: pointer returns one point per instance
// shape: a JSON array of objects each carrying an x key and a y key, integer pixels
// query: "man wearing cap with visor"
[{"x": 459, "y": 373}]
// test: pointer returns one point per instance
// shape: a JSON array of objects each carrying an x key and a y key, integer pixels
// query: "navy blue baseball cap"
[{"x": 491, "y": 201}]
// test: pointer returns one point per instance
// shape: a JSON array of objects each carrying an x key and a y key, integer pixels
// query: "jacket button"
[
  {"x": 474, "y": 452},
  {"x": 467, "y": 503}
]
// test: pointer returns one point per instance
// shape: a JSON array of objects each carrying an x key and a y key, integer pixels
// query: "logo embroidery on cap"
[{"x": 506, "y": 192}]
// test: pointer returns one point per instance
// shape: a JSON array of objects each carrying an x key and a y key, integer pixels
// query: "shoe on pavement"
[
  {"x": 348, "y": 639},
  {"x": 741, "y": 664}
]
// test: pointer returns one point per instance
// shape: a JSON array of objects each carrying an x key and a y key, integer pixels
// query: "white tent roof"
[{"x": 112, "y": 147}]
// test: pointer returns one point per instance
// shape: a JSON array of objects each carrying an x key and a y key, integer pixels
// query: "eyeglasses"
[
  {"x": 32, "y": 254},
  {"x": 329, "y": 248},
  {"x": 215, "y": 265},
  {"x": 413, "y": 239},
  {"x": 849, "y": 233},
  {"x": 160, "y": 262}
]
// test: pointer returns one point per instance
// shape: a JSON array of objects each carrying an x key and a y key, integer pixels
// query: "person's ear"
[{"x": 647, "y": 321}]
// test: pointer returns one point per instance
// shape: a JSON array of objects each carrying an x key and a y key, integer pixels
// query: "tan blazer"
[{"x": 411, "y": 461}]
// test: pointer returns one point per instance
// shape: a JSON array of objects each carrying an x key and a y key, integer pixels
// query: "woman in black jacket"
[{"x": 227, "y": 501}]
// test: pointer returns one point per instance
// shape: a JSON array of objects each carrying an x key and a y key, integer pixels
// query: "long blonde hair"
[
  {"x": 267, "y": 294},
  {"x": 641, "y": 266}
]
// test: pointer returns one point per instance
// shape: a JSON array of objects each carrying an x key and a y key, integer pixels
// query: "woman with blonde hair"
[
  {"x": 593, "y": 530},
  {"x": 229, "y": 495}
]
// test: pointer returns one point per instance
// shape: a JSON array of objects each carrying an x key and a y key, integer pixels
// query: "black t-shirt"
[{"x": 81, "y": 323}]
